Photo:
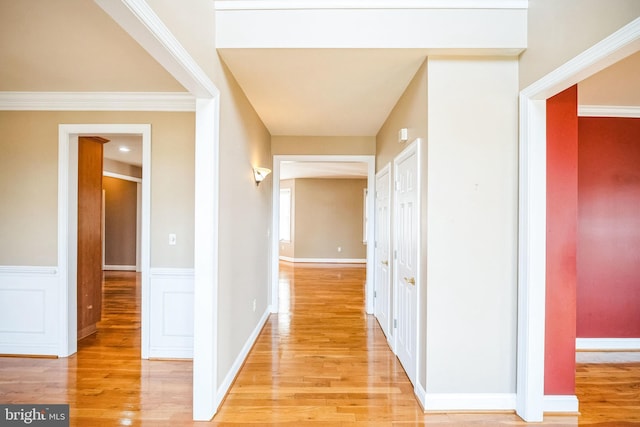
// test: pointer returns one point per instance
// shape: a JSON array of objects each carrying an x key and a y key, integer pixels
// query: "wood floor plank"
[{"x": 320, "y": 362}]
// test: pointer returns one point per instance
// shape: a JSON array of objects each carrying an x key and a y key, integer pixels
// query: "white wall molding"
[
  {"x": 29, "y": 310},
  {"x": 560, "y": 404},
  {"x": 607, "y": 344},
  {"x": 369, "y": 4},
  {"x": 532, "y": 208},
  {"x": 97, "y": 101},
  {"x": 171, "y": 313},
  {"x": 609, "y": 111},
  {"x": 469, "y": 402},
  {"x": 326, "y": 260},
  {"x": 239, "y": 361}
]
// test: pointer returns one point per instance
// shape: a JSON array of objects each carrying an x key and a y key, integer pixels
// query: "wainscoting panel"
[
  {"x": 171, "y": 313},
  {"x": 29, "y": 310}
]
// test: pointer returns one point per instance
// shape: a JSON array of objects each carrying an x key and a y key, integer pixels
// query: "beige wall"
[
  {"x": 288, "y": 249},
  {"x": 410, "y": 112},
  {"x": 328, "y": 216},
  {"x": 560, "y": 30},
  {"x": 120, "y": 208},
  {"x": 323, "y": 145},
  {"x": 29, "y": 183}
]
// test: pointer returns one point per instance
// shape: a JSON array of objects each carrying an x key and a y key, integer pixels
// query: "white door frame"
[
  {"x": 275, "y": 220},
  {"x": 532, "y": 208},
  {"x": 68, "y": 226}
]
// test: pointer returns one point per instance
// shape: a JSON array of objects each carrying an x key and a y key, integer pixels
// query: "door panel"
[
  {"x": 382, "y": 282},
  {"x": 406, "y": 244},
  {"x": 89, "y": 234}
]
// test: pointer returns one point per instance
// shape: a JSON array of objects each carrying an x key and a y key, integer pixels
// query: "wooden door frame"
[
  {"x": 68, "y": 227},
  {"x": 530, "y": 399},
  {"x": 275, "y": 220}
]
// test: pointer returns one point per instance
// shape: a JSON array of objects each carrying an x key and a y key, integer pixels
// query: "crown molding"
[
  {"x": 609, "y": 111},
  {"x": 368, "y": 4},
  {"x": 97, "y": 101}
]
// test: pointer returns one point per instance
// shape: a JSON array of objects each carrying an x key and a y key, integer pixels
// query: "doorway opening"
[
  {"x": 68, "y": 226},
  {"x": 279, "y": 165}
]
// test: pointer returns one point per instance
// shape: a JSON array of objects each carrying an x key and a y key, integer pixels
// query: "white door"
[
  {"x": 382, "y": 280},
  {"x": 406, "y": 219}
]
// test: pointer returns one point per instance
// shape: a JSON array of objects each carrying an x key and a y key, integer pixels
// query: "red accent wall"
[
  {"x": 562, "y": 217},
  {"x": 608, "y": 228}
]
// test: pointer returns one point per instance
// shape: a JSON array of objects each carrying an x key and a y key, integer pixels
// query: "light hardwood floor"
[{"x": 320, "y": 362}]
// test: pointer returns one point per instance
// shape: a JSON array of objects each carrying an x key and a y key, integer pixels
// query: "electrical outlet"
[
  {"x": 339, "y": 248},
  {"x": 254, "y": 304},
  {"x": 172, "y": 239}
]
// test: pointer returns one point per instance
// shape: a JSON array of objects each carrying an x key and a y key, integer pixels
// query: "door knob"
[{"x": 410, "y": 280}]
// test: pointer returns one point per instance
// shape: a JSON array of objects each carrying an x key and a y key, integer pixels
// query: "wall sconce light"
[
  {"x": 260, "y": 174},
  {"x": 403, "y": 135}
]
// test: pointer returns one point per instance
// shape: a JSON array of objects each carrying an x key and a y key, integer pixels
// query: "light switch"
[{"x": 172, "y": 239}]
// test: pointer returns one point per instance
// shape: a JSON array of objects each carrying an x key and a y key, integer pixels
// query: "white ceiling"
[
  {"x": 323, "y": 92},
  {"x": 133, "y": 142}
]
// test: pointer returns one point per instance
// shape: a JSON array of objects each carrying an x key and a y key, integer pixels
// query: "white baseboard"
[
  {"x": 469, "y": 402},
  {"x": 560, "y": 404},
  {"x": 119, "y": 267},
  {"x": 325, "y": 260},
  {"x": 607, "y": 344},
  {"x": 421, "y": 394},
  {"x": 237, "y": 364},
  {"x": 29, "y": 310}
]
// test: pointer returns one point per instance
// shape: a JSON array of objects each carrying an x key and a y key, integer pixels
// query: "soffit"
[
  {"x": 350, "y": 170},
  {"x": 73, "y": 46},
  {"x": 323, "y": 92}
]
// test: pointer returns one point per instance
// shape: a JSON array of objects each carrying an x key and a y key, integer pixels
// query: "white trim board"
[
  {"x": 438, "y": 402},
  {"x": 560, "y": 404},
  {"x": 607, "y": 344},
  {"x": 97, "y": 101},
  {"x": 532, "y": 208},
  {"x": 325, "y": 260},
  {"x": 120, "y": 176},
  {"x": 369, "y": 4},
  {"x": 609, "y": 111}
]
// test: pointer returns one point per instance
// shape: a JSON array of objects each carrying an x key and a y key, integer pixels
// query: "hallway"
[{"x": 320, "y": 362}]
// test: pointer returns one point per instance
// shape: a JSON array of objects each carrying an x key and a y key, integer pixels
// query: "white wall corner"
[{"x": 560, "y": 404}]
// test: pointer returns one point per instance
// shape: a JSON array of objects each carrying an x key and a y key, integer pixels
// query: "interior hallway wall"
[{"x": 608, "y": 246}]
